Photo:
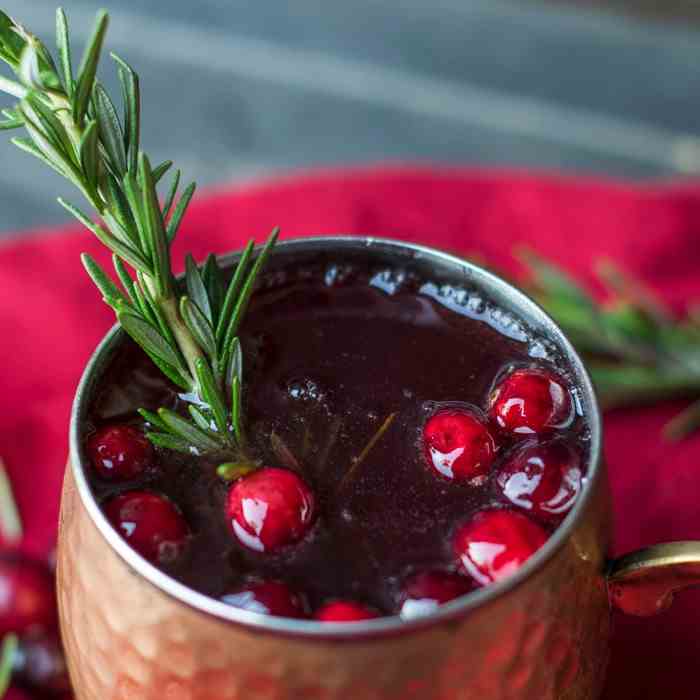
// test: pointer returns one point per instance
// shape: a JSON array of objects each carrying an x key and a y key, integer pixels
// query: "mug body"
[{"x": 131, "y": 633}]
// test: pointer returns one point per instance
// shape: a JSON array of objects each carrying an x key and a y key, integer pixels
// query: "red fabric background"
[{"x": 51, "y": 319}]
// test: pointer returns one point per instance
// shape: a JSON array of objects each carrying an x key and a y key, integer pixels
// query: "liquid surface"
[{"x": 330, "y": 356}]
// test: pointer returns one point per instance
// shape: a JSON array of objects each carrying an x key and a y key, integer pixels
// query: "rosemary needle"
[{"x": 357, "y": 461}]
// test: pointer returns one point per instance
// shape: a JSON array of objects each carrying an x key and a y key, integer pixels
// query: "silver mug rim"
[{"x": 496, "y": 288}]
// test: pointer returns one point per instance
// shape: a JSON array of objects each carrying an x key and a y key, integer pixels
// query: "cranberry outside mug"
[{"x": 133, "y": 633}]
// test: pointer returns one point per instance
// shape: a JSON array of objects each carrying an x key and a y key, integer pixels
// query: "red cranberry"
[
  {"x": 270, "y": 508},
  {"x": 268, "y": 598},
  {"x": 40, "y": 664},
  {"x": 150, "y": 523},
  {"x": 530, "y": 401},
  {"x": 119, "y": 452},
  {"x": 27, "y": 596},
  {"x": 496, "y": 543},
  {"x": 544, "y": 479},
  {"x": 344, "y": 611},
  {"x": 458, "y": 445},
  {"x": 423, "y": 593}
]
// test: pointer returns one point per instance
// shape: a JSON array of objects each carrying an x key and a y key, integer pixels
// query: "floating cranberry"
[
  {"x": 268, "y": 598},
  {"x": 270, "y": 508},
  {"x": 27, "y": 596},
  {"x": 496, "y": 543},
  {"x": 530, "y": 401},
  {"x": 544, "y": 479},
  {"x": 423, "y": 593},
  {"x": 458, "y": 445},
  {"x": 150, "y": 523},
  {"x": 119, "y": 452},
  {"x": 344, "y": 611}
]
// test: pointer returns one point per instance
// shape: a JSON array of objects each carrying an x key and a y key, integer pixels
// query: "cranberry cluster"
[
  {"x": 149, "y": 522},
  {"x": 536, "y": 483},
  {"x": 28, "y": 610},
  {"x": 422, "y": 594},
  {"x": 539, "y": 478}
]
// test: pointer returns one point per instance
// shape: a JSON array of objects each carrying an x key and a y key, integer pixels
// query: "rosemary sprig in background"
[
  {"x": 637, "y": 351},
  {"x": 74, "y": 127}
]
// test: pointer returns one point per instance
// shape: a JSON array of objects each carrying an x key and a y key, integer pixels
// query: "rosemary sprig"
[
  {"x": 8, "y": 651},
  {"x": 636, "y": 350},
  {"x": 10, "y": 522},
  {"x": 74, "y": 127}
]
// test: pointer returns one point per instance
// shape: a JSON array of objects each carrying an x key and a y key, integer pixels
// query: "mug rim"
[{"x": 493, "y": 286}]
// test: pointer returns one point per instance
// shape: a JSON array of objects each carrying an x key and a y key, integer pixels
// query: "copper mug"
[{"x": 133, "y": 633}]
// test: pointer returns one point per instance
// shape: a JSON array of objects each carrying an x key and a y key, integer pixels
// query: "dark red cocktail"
[{"x": 416, "y": 442}]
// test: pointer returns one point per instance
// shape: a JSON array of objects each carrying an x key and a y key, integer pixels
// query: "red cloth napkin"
[{"x": 51, "y": 318}]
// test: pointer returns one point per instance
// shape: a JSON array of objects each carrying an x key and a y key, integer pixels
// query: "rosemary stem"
[
  {"x": 626, "y": 385},
  {"x": 63, "y": 111},
  {"x": 168, "y": 305},
  {"x": 188, "y": 346}
]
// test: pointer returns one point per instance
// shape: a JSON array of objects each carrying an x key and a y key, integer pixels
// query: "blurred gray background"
[{"x": 236, "y": 89}]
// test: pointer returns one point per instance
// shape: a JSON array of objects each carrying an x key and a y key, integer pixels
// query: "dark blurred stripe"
[{"x": 275, "y": 85}]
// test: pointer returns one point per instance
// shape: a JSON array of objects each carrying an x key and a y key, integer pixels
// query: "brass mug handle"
[{"x": 644, "y": 582}]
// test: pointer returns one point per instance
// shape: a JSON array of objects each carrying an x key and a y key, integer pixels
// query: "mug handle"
[{"x": 644, "y": 582}]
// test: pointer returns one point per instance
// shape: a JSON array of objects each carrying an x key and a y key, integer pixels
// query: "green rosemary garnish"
[
  {"x": 637, "y": 351},
  {"x": 74, "y": 127}
]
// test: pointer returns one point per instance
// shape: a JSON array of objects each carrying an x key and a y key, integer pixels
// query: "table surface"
[{"x": 246, "y": 90}]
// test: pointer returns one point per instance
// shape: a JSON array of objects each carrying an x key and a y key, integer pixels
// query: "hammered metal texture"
[{"x": 546, "y": 639}]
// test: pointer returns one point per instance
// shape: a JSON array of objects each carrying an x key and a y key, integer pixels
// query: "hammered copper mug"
[{"x": 133, "y": 633}]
